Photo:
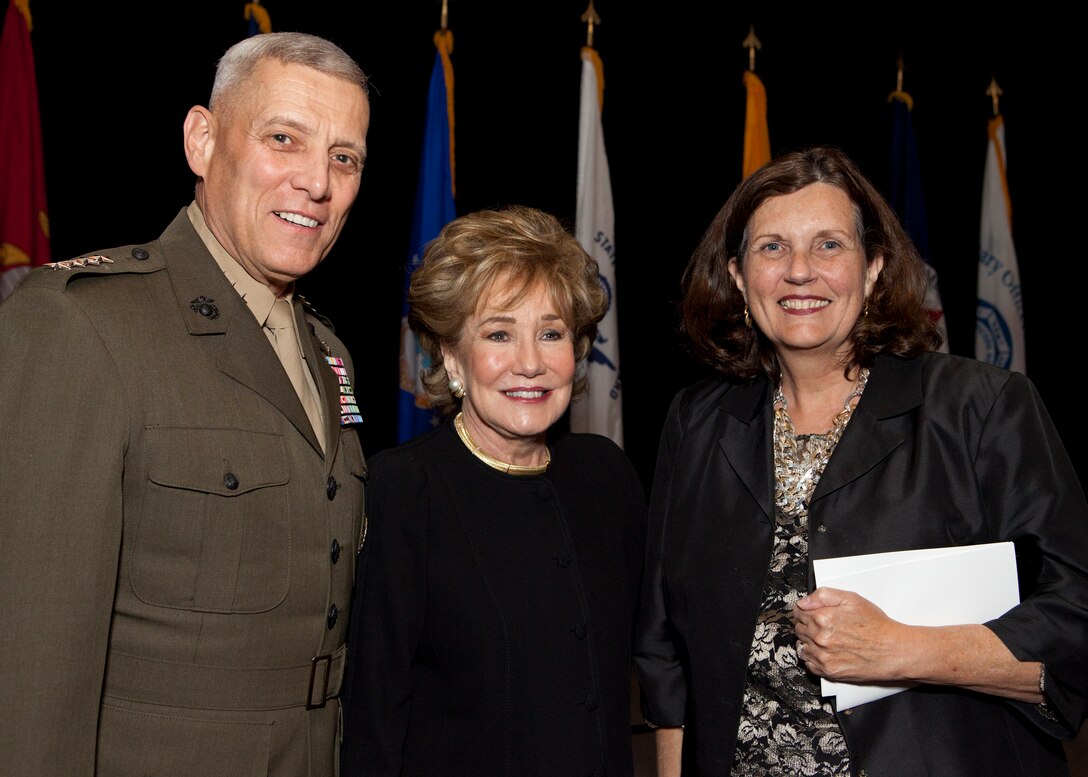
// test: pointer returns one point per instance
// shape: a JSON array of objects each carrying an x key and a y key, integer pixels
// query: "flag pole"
[
  {"x": 751, "y": 42},
  {"x": 600, "y": 411},
  {"x": 999, "y": 317},
  {"x": 757, "y": 139},
  {"x": 591, "y": 18},
  {"x": 907, "y": 197},
  {"x": 434, "y": 208},
  {"x": 994, "y": 92},
  {"x": 898, "y": 93}
]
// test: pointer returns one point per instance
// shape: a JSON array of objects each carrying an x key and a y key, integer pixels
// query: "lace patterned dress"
[{"x": 786, "y": 728}]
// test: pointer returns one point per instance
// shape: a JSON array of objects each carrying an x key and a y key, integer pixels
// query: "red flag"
[{"x": 24, "y": 220}]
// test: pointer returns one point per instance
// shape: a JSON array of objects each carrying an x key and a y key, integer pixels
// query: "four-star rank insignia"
[{"x": 83, "y": 261}]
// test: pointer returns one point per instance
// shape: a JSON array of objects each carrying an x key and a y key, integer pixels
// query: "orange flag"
[
  {"x": 24, "y": 223},
  {"x": 757, "y": 139}
]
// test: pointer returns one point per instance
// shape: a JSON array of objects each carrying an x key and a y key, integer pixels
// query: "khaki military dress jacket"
[{"x": 176, "y": 552}]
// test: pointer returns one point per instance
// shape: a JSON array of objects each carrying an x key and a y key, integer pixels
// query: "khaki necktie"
[{"x": 281, "y": 323}]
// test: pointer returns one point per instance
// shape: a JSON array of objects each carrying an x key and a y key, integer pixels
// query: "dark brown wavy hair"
[{"x": 712, "y": 307}]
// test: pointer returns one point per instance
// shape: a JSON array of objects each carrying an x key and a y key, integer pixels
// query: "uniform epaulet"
[
  {"x": 122, "y": 260},
  {"x": 82, "y": 262}
]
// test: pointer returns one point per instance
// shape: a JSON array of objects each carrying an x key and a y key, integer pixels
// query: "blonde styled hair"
[{"x": 521, "y": 246}]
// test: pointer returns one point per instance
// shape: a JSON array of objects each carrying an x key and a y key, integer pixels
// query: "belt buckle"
[{"x": 324, "y": 683}]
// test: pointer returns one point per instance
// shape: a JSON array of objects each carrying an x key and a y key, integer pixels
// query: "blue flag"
[
  {"x": 434, "y": 207},
  {"x": 909, "y": 202}
]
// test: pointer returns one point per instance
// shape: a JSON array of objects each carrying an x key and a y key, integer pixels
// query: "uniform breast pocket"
[{"x": 212, "y": 534}]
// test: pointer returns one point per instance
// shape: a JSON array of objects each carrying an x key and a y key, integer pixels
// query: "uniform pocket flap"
[{"x": 226, "y": 462}]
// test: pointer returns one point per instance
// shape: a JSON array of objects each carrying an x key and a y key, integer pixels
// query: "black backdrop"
[{"x": 114, "y": 87}]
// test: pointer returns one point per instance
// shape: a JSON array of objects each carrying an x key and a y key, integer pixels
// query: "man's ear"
[{"x": 199, "y": 130}]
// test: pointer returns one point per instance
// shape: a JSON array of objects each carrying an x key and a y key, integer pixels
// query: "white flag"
[
  {"x": 601, "y": 410},
  {"x": 999, "y": 325}
]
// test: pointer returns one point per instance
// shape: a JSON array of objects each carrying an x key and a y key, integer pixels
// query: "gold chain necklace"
[
  {"x": 501, "y": 466},
  {"x": 799, "y": 460}
]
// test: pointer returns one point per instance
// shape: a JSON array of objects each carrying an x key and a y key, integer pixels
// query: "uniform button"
[
  {"x": 230, "y": 480},
  {"x": 591, "y": 703},
  {"x": 821, "y": 527},
  {"x": 334, "y": 550},
  {"x": 580, "y": 630},
  {"x": 563, "y": 560},
  {"x": 330, "y": 488},
  {"x": 140, "y": 253},
  {"x": 333, "y": 613}
]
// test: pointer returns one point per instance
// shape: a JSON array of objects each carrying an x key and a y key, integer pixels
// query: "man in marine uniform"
[{"x": 181, "y": 475}]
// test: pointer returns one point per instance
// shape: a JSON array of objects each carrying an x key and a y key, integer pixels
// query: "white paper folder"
[{"x": 930, "y": 587}]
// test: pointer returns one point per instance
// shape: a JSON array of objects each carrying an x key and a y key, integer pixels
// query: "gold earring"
[{"x": 747, "y": 318}]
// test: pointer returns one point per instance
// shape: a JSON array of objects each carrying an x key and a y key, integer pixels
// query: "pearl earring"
[{"x": 456, "y": 387}]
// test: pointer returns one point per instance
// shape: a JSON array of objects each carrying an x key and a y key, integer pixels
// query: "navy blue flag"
[
  {"x": 433, "y": 209},
  {"x": 909, "y": 201}
]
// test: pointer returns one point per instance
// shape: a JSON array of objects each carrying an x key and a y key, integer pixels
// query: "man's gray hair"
[{"x": 290, "y": 48}]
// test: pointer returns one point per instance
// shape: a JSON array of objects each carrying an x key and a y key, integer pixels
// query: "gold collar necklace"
[{"x": 501, "y": 466}]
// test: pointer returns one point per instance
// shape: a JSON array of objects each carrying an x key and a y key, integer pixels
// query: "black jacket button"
[
  {"x": 140, "y": 253},
  {"x": 333, "y": 613},
  {"x": 330, "y": 488},
  {"x": 230, "y": 480},
  {"x": 334, "y": 550}
]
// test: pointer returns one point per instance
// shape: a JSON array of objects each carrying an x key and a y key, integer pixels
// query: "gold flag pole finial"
[
  {"x": 899, "y": 94},
  {"x": 994, "y": 91},
  {"x": 591, "y": 18},
  {"x": 752, "y": 43},
  {"x": 445, "y": 14}
]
